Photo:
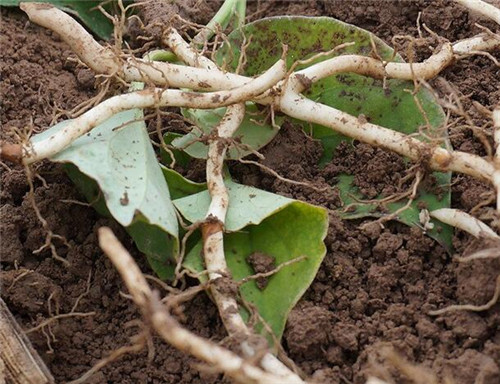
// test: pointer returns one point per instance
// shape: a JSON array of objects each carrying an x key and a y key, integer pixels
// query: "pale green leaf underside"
[
  {"x": 253, "y": 133},
  {"x": 118, "y": 155},
  {"x": 247, "y": 205}
]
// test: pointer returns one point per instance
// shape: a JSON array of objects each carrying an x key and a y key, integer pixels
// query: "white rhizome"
[{"x": 210, "y": 87}]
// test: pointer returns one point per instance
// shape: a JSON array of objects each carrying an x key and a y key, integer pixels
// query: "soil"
[{"x": 374, "y": 288}]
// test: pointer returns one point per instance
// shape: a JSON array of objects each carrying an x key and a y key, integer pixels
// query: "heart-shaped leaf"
[{"x": 270, "y": 228}]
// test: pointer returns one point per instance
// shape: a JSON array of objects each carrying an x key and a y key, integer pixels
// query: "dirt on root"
[{"x": 374, "y": 289}]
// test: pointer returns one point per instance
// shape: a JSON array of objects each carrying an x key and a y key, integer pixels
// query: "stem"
[
  {"x": 161, "y": 55},
  {"x": 222, "y": 18}
]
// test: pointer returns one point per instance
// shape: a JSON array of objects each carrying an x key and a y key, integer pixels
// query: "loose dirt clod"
[{"x": 261, "y": 263}]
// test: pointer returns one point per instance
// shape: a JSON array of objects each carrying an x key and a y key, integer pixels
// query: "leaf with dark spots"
[
  {"x": 124, "y": 199},
  {"x": 386, "y": 103}
]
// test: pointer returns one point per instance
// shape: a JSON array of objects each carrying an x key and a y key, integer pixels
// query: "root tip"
[{"x": 12, "y": 153}]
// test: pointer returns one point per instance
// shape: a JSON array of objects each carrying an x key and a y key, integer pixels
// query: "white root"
[
  {"x": 80, "y": 41},
  {"x": 180, "y": 76},
  {"x": 169, "y": 329},
  {"x": 216, "y": 154},
  {"x": 182, "y": 50},
  {"x": 290, "y": 102},
  {"x": 484, "y": 42},
  {"x": 295, "y": 105},
  {"x": 368, "y": 66},
  {"x": 147, "y": 99},
  {"x": 476, "y": 44},
  {"x": 496, "y": 161},
  {"x": 464, "y": 221},
  {"x": 104, "y": 61},
  {"x": 213, "y": 229},
  {"x": 213, "y": 244},
  {"x": 483, "y": 8}
]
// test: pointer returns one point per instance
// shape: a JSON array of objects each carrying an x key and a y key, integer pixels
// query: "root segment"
[{"x": 170, "y": 330}]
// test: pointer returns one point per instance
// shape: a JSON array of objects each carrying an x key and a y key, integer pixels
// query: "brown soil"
[{"x": 374, "y": 288}]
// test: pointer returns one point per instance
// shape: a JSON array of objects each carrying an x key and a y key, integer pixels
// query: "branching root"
[{"x": 170, "y": 330}]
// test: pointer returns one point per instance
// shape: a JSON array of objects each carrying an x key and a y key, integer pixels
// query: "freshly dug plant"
[{"x": 349, "y": 87}]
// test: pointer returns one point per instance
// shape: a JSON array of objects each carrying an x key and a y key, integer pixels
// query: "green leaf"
[
  {"x": 271, "y": 225},
  {"x": 181, "y": 157},
  {"x": 85, "y": 10},
  {"x": 431, "y": 200},
  {"x": 392, "y": 106},
  {"x": 247, "y": 205},
  {"x": 253, "y": 133},
  {"x": 179, "y": 186},
  {"x": 118, "y": 156}
]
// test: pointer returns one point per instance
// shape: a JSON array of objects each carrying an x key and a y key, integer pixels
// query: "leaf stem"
[{"x": 222, "y": 18}]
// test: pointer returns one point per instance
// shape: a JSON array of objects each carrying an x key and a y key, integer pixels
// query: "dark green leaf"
[
  {"x": 392, "y": 106},
  {"x": 179, "y": 186},
  {"x": 85, "y": 10},
  {"x": 181, "y": 157}
]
